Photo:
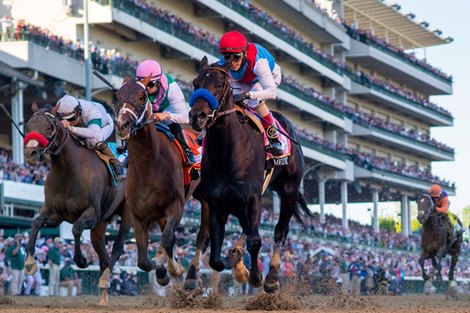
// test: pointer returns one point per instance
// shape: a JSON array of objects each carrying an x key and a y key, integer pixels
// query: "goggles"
[{"x": 236, "y": 56}]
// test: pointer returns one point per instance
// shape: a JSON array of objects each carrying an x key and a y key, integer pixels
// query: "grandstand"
[{"x": 358, "y": 97}]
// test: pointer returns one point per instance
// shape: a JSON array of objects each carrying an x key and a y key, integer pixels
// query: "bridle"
[
  {"x": 212, "y": 118},
  {"x": 137, "y": 117},
  {"x": 430, "y": 211},
  {"x": 55, "y": 142}
]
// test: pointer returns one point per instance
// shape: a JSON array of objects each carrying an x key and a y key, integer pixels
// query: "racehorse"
[
  {"x": 78, "y": 190},
  {"x": 434, "y": 239},
  {"x": 155, "y": 189},
  {"x": 232, "y": 170}
]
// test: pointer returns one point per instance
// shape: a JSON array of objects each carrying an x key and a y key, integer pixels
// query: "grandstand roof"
[{"x": 388, "y": 22}]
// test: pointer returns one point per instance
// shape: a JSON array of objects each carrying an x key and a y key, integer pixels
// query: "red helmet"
[
  {"x": 233, "y": 42},
  {"x": 435, "y": 190}
]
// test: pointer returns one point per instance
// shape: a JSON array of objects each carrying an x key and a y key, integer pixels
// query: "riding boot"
[
  {"x": 177, "y": 131},
  {"x": 103, "y": 147},
  {"x": 275, "y": 146}
]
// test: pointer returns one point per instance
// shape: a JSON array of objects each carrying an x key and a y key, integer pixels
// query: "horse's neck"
[
  {"x": 433, "y": 222},
  {"x": 145, "y": 145},
  {"x": 68, "y": 159}
]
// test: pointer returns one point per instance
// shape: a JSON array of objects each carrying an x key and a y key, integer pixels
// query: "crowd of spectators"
[
  {"x": 369, "y": 161},
  {"x": 23, "y": 173},
  {"x": 367, "y": 37}
]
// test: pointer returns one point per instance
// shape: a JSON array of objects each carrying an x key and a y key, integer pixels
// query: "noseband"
[
  {"x": 138, "y": 120},
  {"x": 212, "y": 118},
  {"x": 51, "y": 147}
]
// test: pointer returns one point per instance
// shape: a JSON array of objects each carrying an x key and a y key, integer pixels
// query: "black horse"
[
  {"x": 233, "y": 166},
  {"x": 434, "y": 238}
]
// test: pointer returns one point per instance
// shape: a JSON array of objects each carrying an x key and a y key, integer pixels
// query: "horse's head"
[
  {"x": 212, "y": 93},
  {"x": 425, "y": 208},
  {"x": 131, "y": 105},
  {"x": 42, "y": 134}
]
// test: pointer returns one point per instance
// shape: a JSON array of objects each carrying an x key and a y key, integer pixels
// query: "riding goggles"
[
  {"x": 236, "y": 56},
  {"x": 153, "y": 83}
]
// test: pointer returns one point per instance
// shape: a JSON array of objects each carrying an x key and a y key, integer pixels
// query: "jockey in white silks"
[{"x": 89, "y": 120}]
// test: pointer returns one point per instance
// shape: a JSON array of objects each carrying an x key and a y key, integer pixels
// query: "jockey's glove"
[{"x": 239, "y": 97}]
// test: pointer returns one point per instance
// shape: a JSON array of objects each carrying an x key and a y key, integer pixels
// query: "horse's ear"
[
  {"x": 204, "y": 62},
  {"x": 34, "y": 107},
  {"x": 54, "y": 109},
  {"x": 126, "y": 79}
]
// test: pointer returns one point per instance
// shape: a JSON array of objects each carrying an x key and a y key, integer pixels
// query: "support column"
[
  {"x": 17, "y": 116},
  {"x": 375, "y": 200},
  {"x": 276, "y": 205},
  {"x": 344, "y": 202},
  {"x": 404, "y": 216},
  {"x": 321, "y": 197}
]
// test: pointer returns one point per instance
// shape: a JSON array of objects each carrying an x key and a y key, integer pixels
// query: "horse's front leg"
[
  {"x": 98, "y": 243},
  {"x": 168, "y": 240},
  {"x": 190, "y": 283},
  {"x": 436, "y": 263},
  {"x": 87, "y": 220},
  {"x": 142, "y": 242},
  {"x": 424, "y": 256},
  {"x": 49, "y": 219},
  {"x": 217, "y": 233}
]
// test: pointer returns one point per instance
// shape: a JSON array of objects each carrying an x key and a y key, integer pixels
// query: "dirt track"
[{"x": 262, "y": 303}]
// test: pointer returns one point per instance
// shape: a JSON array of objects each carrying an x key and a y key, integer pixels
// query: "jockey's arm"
[
  {"x": 266, "y": 79},
  {"x": 442, "y": 206},
  {"x": 178, "y": 109},
  {"x": 90, "y": 132}
]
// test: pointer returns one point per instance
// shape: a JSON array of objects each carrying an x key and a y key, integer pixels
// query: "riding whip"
[
  {"x": 4, "y": 109},
  {"x": 264, "y": 120},
  {"x": 104, "y": 80}
]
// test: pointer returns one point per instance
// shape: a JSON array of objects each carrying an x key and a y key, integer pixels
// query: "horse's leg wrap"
[
  {"x": 239, "y": 270},
  {"x": 271, "y": 282}
]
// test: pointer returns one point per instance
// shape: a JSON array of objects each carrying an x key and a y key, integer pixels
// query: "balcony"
[
  {"x": 27, "y": 54},
  {"x": 240, "y": 15},
  {"x": 382, "y": 177},
  {"x": 310, "y": 18},
  {"x": 395, "y": 102},
  {"x": 401, "y": 142},
  {"x": 323, "y": 155},
  {"x": 388, "y": 64}
]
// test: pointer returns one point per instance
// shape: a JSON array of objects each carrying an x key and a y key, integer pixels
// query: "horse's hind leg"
[
  {"x": 168, "y": 242},
  {"x": 86, "y": 221},
  {"x": 453, "y": 263},
  {"x": 124, "y": 228},
  {"x": 421, "y": 260},
  {"x": 98, "y": 242},
  {"x": 43, "y": 220},
  {"x": 288, "y": 205},
  {"x": 142, "y": 241},
  {"x": 190, "y": 283}
]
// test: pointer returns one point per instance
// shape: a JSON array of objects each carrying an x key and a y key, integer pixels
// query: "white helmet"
[{"x": 67, "y": 106}]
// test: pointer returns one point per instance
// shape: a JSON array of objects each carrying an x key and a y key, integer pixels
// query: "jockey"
[
  {"x": 90, "y": 120},
  {"x": 167, "y": 101},
  {"x": 441, "y": 203},
  {"x": 256, "y": 76}
]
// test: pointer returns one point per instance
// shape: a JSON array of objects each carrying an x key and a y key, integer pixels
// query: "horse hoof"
[
  {"x": 256, "y": 280},
  {"x": 30, "y": 269},
  {"x": 190, "y": 284},
  {"x": 164, "y": 281},
  {"x": 217, "y": 265},
  {"x": 271, "y": 287},
  {"x": 81, "y": 262}
]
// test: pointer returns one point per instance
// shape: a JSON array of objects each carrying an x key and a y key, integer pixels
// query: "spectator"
[
  {"x": 15, "y": 255},
  {"x": 69, "y": 278},
  {"x": 54, "y": 267}
]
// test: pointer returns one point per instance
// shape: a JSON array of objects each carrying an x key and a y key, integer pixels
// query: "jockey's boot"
[
  {"x": 275, "y": 146},
  {"x": 103, "y": 147},
  {"x": 177, "y": 131}
]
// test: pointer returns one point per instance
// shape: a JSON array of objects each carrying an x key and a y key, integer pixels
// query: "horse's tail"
[{"x": 301, "y": 207}]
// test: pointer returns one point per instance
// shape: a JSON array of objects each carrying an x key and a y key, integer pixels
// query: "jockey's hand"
[
  {"x": 66, "y": 124},
  {"x": 239, "y": 97},
  {"x": 158, "y": 117}
]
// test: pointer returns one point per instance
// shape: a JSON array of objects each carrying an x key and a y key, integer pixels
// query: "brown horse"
[
  {"x": 434, "y": 239},
  {"x": 155, "y": 189},
  {"x": 78, "y": 190},
  {"x": 232, "y": 176}
]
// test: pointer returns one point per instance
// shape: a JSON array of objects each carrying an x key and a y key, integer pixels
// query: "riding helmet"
[
  {"x": 435, "y": 190},
  {"x": 233, "y": 42}
]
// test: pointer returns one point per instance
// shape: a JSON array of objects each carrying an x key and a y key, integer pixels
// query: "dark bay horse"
[
  {"x": 232, "y": 170},
  {"x": 434, "y": 238},
  {"x": 78, "y": 190},
  {"x": 155, "y": 189}
]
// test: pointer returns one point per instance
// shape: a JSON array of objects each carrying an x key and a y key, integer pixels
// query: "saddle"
[
  {"x": 120, "y": 156},
  {"x": 192, "y": 143}
]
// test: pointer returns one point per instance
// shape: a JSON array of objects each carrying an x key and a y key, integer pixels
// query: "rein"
[
  {"x": 212, "y": 118},
  {"x": 51, "y": 147}
]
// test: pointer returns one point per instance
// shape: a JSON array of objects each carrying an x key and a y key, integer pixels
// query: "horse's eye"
[{"x": 219, "y": 86}]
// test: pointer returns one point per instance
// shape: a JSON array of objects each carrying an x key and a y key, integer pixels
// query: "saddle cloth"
[
  {"x": 105, "y": 159},
  {"x": 191, "y": 140},
  {"x": 285, "y": 142}
]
